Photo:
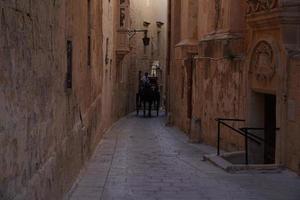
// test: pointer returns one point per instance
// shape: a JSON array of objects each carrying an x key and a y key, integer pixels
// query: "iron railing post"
[
  {"x": 246, "y": 146},
  {"x": 218, "y": 153}
]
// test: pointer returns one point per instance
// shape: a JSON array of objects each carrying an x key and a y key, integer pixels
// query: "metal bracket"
[{"x": 132, "y": 33}]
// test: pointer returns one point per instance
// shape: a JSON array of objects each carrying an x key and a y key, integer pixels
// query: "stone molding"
[
  {"x": 255, "y": 6},
  {"x": 186, "y": 47},
  {"x": 187, "y": 42},
  {"x": 273, "y": 16},
  {"x": 263, "y": 62},
  {"x": 221, "y": 36}
]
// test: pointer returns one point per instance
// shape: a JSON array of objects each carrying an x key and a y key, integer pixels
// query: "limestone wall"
[
  {"x": 109, "y": 59},
  {"x": 292, "y": 150},
  {"x": 120, "y": 73},
  {"x": 218, "y": 79},
  {"x": 221, "y": 93},
  {"x": 48, "y": 131},
  {"x": 244, "y": 54}
]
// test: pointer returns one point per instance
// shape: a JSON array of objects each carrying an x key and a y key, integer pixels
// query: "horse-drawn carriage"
[{"x": 148, "y": 95}]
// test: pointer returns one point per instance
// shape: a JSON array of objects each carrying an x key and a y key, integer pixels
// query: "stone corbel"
[
  {"x": 188, "y": 46},
  {"x": 121, "y": 55}
]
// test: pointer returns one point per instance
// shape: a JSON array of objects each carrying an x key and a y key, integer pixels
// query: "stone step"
[{"x": 219, "y": 161}]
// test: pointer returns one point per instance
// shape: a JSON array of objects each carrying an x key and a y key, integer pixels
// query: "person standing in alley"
[{"x": 145, "y": 79}]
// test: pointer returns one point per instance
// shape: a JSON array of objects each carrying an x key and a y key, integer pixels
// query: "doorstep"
[{"x": 219, "y": 161}]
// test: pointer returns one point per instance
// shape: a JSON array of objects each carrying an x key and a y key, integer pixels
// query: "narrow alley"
[
  {"x": 222, "y": 76},
  {"x": 142, "y": 159}
]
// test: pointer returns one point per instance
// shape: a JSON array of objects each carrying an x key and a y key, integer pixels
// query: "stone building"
[
  {"x": 237, "y": 59},
  {"x": 60, "y": 89},
  {"x": 149, "y": 15},
  {"x": 69, "y": 70}
]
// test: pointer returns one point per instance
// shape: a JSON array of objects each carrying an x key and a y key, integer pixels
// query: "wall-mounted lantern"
[{"x": 146, "y": 39}]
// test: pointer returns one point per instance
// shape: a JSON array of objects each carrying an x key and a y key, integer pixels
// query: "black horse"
[{"x": 148, "y": 95}]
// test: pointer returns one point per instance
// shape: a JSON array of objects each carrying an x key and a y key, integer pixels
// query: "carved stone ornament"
[
  {"x": 122, "y": 17},
  {"x": 123, "y": 13},
  {"x": 255, "y": 6},
  {"x": 263, "y": 62}
]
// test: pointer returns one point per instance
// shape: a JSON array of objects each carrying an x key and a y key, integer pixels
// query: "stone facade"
[
  {"x": 149, "y": 15},
  {"x": 59, "y": 91},
  {"x": 237, "y": 59}
]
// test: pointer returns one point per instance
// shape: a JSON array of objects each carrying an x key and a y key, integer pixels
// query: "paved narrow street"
[{"x": 141, "y": 159}]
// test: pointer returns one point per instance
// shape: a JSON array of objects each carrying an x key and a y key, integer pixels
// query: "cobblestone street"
[{"x": 141, "y": 159}]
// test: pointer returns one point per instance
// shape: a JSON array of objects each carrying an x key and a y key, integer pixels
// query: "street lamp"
[{"x": 146, "y": 39}]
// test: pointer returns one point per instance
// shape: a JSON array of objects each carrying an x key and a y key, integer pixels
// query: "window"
[
  {"x": 106, "y": 51},
  {"x": 69, "y": 63},
  {"x": 89, "y": 14},
  {"x": 89, "y": 32},
  {"x": 89, "y": 51}
]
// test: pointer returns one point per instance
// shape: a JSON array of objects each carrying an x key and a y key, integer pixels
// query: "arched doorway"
[{"x": 263, "y": 102}]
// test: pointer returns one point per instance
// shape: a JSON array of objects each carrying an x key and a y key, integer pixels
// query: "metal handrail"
[
  {"x": 230, "y": 119},
  {"x": 256, "y": 129},
  {"x": 245, "y": 134},
  {"x": 242, "y": 131},
  {"x": 251, "y": 134},
  {"x": 221, "y": 121}
]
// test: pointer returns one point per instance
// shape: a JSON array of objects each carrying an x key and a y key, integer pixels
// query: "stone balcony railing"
[{"x": 122, "y": 43}]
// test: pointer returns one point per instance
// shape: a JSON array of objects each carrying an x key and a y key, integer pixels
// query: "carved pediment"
[
  {"x": 263, "y": 62},
  {"x": 255, "y": 6}
]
